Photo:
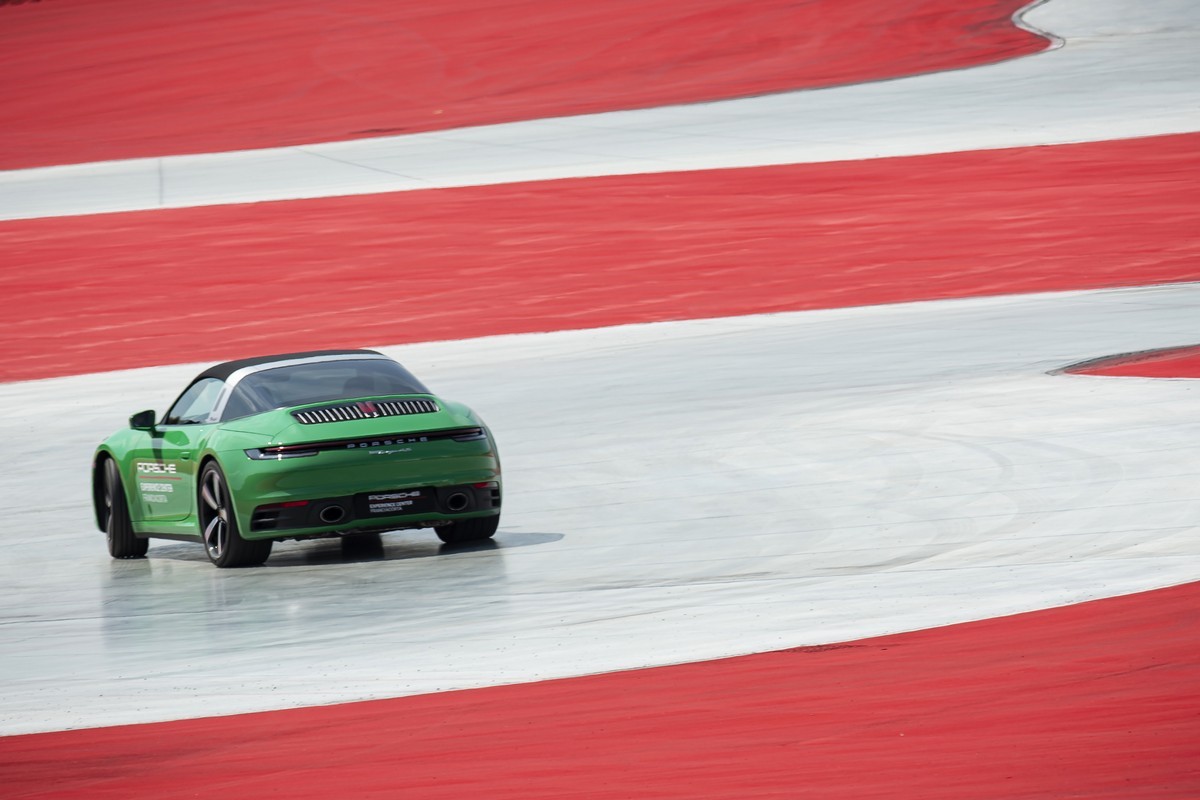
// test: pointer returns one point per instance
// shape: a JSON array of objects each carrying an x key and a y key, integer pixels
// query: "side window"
[{"x": 195, "y": 404}]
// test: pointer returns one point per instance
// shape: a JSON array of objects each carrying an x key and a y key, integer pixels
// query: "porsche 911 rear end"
[
  {"x": 296, "y": 446},
  {"x": 380, "y": 463}
]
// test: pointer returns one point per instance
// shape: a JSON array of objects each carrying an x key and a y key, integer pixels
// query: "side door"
[{"x": 165, "y": 471}]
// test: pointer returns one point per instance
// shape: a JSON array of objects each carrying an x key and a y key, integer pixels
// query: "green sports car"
[{"x": 297, "y": 446}]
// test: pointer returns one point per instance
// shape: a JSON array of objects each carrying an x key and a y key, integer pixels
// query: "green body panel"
[{"x": 160, "y": 467}]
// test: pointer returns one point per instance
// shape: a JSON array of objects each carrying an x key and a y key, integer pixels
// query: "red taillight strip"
[
  {"x": 288, "y": 504},
  {"x": 280, "y": 451}
]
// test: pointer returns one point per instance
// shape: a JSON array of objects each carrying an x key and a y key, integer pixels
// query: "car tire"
[
  {"x": 218, "y": 524},
  {"x": 118, "y": 528},
  {"x": 465, "y": 531}
]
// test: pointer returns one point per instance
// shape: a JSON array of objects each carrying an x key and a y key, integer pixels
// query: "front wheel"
[
  {"x": 118, "y": 529},
  {"x": 218, "y": 524},
  {"x": 468, "y": 530}
]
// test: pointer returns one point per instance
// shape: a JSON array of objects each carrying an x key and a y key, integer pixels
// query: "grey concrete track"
[
  {"x": 1126, "y": 70},
  {"x": 677, "y": 491}
]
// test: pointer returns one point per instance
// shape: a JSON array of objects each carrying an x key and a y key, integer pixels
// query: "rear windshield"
[{"x": 299, "y": 384}]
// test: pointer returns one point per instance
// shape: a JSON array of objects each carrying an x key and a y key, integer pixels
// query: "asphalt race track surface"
[{"x": 802, "y": 493}]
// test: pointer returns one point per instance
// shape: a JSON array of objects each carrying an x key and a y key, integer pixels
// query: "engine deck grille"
[{"x": 365, "y": 409}]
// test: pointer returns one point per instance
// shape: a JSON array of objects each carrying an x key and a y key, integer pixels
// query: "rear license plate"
[{"x": 401, "y": 501}]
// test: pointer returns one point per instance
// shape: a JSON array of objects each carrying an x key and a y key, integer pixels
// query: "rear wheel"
[
  {"x": 468, "y": 530},
  {"x": 118, "y": 529},
  {"x": 218, "y": 524}
]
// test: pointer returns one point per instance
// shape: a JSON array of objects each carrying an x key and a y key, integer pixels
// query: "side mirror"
[{"x": 142, "y": 421}]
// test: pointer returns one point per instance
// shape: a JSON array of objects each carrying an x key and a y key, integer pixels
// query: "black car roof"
[{"x": 224, "y": 370}]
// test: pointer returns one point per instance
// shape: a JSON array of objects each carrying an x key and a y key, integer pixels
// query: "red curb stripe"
[
  {"x": 1174, "y": 362},
  {"x": 1039, "y": 705},
  {"x": 89, "y": 81},
  {"x": 232, "y": 281}
]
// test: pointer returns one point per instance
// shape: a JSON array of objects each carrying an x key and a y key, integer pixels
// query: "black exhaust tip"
[{"x": 332, "y": 514}]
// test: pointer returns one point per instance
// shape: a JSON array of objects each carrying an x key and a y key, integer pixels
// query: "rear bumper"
[
  {"x": 387, "y": 484},
  {"x": 401, "y": 507}
]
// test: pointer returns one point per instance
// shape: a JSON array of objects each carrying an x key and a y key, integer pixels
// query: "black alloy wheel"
[{"x": 218, "y": 525}]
